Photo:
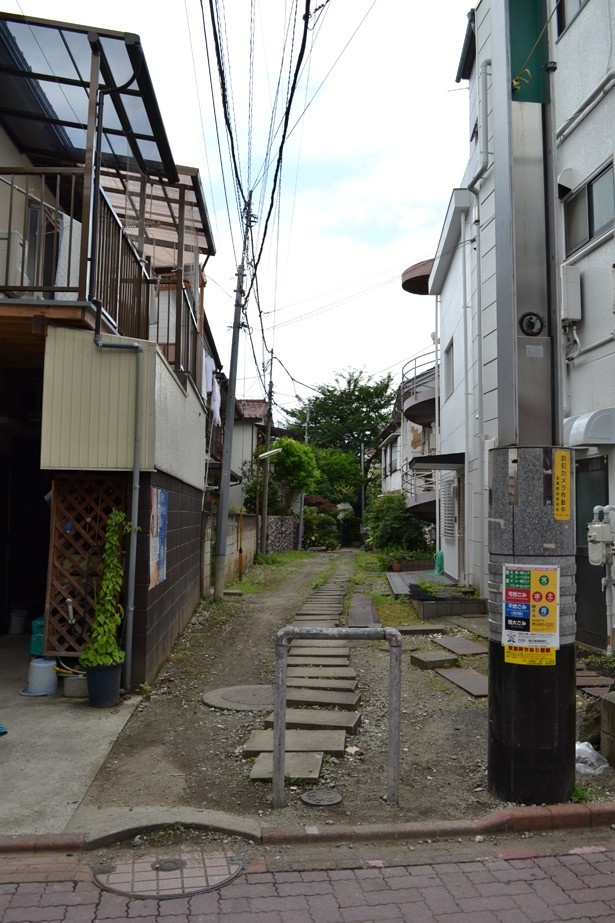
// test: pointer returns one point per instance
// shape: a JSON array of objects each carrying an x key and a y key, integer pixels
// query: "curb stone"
[{"x": 513, "y": 820}]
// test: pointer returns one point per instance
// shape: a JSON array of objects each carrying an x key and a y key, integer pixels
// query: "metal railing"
[
  {"x": 415, "y": 484},
  {"x": 44, "y": 255},
  {"x": 283, "y": 639},
  {"x": 418, "y": 374}
]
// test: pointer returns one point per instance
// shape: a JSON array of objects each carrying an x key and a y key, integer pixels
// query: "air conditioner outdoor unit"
[{"x": 13, "y": 250}]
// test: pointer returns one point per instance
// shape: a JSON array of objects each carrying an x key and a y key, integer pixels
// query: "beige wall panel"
[{"x": 88, "y": 404}]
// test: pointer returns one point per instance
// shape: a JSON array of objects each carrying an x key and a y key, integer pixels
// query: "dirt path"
[{"x": 176, "y": 750}]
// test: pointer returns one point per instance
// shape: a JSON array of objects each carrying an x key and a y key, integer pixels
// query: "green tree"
[
  {"x": 346, "y": 415},
  {"x": 294, "y": 470},
  {"x": 389, "y": 524},
  {"x": 340, "y": 477}
]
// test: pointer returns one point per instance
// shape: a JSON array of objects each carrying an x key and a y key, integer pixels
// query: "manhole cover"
[
  {"x": 321, "y": 796},
  {"x": 240, "y": 698},
  {"x": 164, "y": 878}
]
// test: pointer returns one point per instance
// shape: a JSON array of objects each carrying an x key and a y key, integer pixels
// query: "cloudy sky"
[{"x": 379, "y": 138}]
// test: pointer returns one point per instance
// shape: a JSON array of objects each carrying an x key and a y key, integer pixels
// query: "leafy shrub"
[{"x": 390, "y": 525}]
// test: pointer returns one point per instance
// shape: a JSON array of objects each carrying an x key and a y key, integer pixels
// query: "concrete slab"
[
  {"x": 597, "y": 691},
  {"x": 320, "y": 651},
  {"x": 462, "y": 646},
  {"x": 430, "y": 660},
  {"x": 362, "y": 610},
  {"x": 54, "y": 748},
  {"x": 477, "y": 624},
  {"x": 326, "y": 697},
  {"x": 397, "y": 585},
  {"x": 320, "y": 612},
  {"x": 584, "y": 681},
  {"x": 315, "y": 617},
  {"x": 303, "y": 642},
  {"x": 317, "y": 661},
  {"x": 331, "y": 742},
  {"x": 296, "y": 766},
  {"x": 469, "y": 680},
  {"x": 312, "y": 718},
  {"x": 327, "y": 671},
  {"x": 423, "y": 629},
  {"x": 310, "y": 682}
]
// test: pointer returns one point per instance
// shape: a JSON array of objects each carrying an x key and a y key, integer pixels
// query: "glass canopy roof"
[{"x": 45, "y": 73}]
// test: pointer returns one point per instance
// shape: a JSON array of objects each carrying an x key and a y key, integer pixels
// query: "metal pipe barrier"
[{"x": 283, "y": 638}]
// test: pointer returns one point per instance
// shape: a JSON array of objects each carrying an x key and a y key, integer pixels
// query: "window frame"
[
  {"x": 583, "y": 195},
  {"x": 563, "y": 21},
  {"x": 449, "y": 369}
]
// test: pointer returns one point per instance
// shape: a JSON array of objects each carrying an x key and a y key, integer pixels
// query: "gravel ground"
[{"x": 176, "y": 750}]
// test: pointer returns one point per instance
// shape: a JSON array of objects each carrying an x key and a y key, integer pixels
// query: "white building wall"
[
  {"x": 180, "y": 420},
  {"x": 586, "y": 144}
]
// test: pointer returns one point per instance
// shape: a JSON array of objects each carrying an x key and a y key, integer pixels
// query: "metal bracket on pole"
[{"x": 283, "y": 638}]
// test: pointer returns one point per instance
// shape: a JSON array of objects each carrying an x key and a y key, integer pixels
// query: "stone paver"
[
  {"x": 310, "y": 682},
  {"x": 331, "y": 742},
  {"x": 462, "y": 646},
  {"x": 296, "y": 765},
  {"x": 316, "y": 661},
  {"x": 469, "y": 680},
  {"x": 430, "y": 660},
  {"x": 326, "y": 697},
  {"x": 310, "y": 719},
  {"x": 323, "y": 671}
]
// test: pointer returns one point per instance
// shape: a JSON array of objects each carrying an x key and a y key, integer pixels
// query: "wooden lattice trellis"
[{"x": 80, "y": 507}]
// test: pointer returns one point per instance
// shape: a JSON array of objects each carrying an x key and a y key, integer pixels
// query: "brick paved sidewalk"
[{"x": 578, "y": 887}]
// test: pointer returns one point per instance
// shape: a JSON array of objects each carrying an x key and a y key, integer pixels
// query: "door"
[{"x": 592, "y": 489}]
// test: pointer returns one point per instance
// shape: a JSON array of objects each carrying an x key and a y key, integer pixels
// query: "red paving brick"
[{"x": 577, "y": 886}]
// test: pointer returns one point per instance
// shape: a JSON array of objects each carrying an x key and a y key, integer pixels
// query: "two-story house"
[{"x": 106, "y": 354}]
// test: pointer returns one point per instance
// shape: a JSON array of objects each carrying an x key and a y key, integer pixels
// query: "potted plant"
[{"x": 102, "y": 657}]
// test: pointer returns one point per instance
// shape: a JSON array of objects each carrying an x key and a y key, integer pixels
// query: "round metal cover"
[
  {"x": 323, "y": 797},
  {"x": 240, "y": 698},
  {"x": 144, "y": 877}
]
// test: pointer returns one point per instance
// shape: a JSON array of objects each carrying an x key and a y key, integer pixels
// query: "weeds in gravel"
[
  {"x": 394, "y": 612},
  {"x": 266, "y": 576},
  {"x": 582, "y": 794}
]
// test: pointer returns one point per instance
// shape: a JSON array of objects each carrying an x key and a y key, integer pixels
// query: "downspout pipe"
[
  {"x": 483, "y": 136},
  {"x": 483, "y": 125},
  {"x": 134, "y": 507}
]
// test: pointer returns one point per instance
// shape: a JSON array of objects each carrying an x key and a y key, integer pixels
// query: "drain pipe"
[
  {"x": 134, "y": 508},
  {"x": 483, "y": 130}
]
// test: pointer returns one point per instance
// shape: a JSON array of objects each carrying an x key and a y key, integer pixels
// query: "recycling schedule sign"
[{"x": 530, "y": 616}]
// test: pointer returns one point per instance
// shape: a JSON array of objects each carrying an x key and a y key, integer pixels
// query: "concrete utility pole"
[
  {"x": 266, "y": 456},
  {"x": 531, "y": 756},
  {"x": 302, "y": 497},
  {"x": 225, "y": 475}
]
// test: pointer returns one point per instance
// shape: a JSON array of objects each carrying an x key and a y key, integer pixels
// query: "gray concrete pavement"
[{"x": 53, "y": 749}]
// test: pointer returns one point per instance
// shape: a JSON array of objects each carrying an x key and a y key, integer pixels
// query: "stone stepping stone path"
[
  {"x": 296, "y": 766},
  {"x": 462, "y": 646},
  {"x": 321, "y": 695},
  {"x": 469, "y": 680},
  {"x": 311, "y": 682},
  {"x": 331, "y": 742},
  {"x": 312, "y": 718}
]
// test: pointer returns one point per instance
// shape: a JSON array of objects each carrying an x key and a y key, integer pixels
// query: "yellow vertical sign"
[{"x": 561, "y": 485}]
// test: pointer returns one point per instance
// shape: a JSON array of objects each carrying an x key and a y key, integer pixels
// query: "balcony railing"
[
  {"x": 416, "y": 484},
  {"x": 418, "y": 374},
  {"x": 44, "y": 256}
]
